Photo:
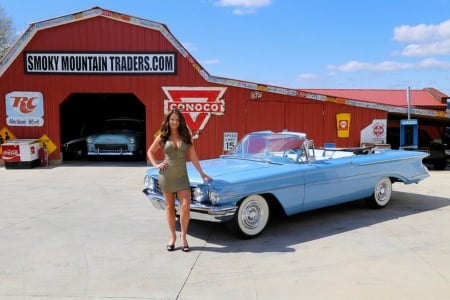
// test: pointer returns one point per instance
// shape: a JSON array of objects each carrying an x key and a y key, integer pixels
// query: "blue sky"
[{"x": 358, "y": 44}]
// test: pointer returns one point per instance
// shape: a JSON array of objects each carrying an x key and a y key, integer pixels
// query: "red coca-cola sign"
[{"x": 11, "y": 153}]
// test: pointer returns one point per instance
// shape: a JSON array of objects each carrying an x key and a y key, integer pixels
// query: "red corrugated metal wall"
[
  {"x": 315, "y": 118},
  {"x": 242, "y": 112}
]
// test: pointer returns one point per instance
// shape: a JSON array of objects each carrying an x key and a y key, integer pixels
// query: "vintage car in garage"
[
  {"x": 120, "y": 137},
  {"x": 74, "y": 149},
  {"x": 284, "y": 170}
]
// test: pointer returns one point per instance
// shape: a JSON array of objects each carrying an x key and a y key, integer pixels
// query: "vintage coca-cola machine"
[{"x": 21, "y": 153}]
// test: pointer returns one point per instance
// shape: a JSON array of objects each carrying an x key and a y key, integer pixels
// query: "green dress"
[{"x": 174, "y": 178}]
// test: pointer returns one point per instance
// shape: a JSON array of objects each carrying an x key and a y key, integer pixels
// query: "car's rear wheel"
[
  {"x": 382, "y": 193},
  {"x": 251, "y": 218}
]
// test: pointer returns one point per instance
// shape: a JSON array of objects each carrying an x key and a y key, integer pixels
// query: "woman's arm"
[
  {"x": 154, "y": 147},
  {"x": 195, "y": 161}
]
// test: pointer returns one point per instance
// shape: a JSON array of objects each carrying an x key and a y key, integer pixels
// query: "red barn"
[{"x": 72, "y": 72}]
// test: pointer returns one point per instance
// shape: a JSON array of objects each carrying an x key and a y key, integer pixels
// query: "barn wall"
[
  {"x": 316, "y": 118},
  {"x": 245, "y": 109},
  {"x": 108, "y": 36}
]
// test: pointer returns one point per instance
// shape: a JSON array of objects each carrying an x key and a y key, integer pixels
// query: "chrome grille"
[
  {"x": 157, "y": 188},
  {"x": 112, "y": 147}
]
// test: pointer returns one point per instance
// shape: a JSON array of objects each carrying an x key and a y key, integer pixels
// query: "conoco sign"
[{"x": 196, "y": 103}]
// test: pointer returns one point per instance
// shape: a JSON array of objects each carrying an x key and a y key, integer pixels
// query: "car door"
[{"x": 335, "y": 181}]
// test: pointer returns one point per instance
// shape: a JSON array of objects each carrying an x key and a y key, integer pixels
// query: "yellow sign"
[
  {"x": 47, "y": 143},
  {"x": 343, "y": 125},
  {"x": 5, "y": 136}
]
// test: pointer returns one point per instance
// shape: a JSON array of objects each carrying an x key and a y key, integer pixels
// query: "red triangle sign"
[{"x": 196, "y": 103}]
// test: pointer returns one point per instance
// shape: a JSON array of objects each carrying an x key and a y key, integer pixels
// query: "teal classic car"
[
  {"x": 120, "y": 137},
  {"x": 284, "y": 170}
]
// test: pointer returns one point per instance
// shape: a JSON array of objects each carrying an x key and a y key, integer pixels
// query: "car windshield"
[
  {"x": 267, "y": 145},
  {"x": 122, "y": 125}
]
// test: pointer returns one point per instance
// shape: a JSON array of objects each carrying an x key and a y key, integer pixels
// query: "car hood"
[
  {"x": 113, "y": 136},
  {"x": 233, "y": 170},
  {"x": 230, "y": 169}
]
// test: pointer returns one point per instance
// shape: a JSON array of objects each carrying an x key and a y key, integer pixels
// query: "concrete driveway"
[{"x": 86, "y": 231}]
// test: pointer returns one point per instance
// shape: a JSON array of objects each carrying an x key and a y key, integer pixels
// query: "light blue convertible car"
[{"x": 268, "y": 170}]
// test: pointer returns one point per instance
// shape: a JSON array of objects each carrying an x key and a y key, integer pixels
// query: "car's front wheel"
[
  {"x": 251, "y": 218},
  {"x": 382, "y": 193}
]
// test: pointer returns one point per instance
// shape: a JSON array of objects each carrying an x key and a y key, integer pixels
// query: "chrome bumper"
[
  {"x": 110, "y": 153},
  {"x": 198, "y": 211}
]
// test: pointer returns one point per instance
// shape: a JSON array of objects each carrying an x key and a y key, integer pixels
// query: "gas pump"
[{"x": 409, "y": 129}]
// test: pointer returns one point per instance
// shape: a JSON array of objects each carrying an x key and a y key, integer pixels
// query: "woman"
[{"x": 176, "y": 141}]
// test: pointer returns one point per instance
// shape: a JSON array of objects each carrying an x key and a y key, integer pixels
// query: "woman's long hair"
[{"x": 183, "y": 130}]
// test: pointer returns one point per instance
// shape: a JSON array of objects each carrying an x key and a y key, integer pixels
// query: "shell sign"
[{"x": 343, "y": 125}]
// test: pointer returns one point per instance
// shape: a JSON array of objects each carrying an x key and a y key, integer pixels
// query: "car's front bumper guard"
[
  {"x": 118, "y": 153},
  {"x": 198, "y": 211}
]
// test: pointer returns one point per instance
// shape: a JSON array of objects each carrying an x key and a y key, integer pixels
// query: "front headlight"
[
  {"x": 89, "y": 140},
  {"x": 447, "y": 152},
  {"x": 203, "y": 194},
  {"x": 132, "y": 140},
  {"x": 149, "y": 182},
  {"x": 199, "y": 195},
  {"x": 214, "y": 197}
]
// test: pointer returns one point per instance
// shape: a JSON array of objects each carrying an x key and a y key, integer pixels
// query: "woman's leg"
[
  {"x": 171, "y": 216},
  {"x": 185, "y": 200}
]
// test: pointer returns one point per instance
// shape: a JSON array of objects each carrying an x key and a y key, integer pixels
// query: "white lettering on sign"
[
  {"x": 100, "y": 63},
  {"x": 11, "y": 153},
  {"x": 197, "y": 107},
  {"x": 255, "y": 95}
]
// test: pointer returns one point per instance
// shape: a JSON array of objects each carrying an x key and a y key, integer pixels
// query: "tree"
[{"x": 6, "y": 32}]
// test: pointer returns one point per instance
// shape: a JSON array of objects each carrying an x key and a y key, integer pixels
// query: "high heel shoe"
[
  {"x": 185, "y": 248},
  {"x": 170, "y": 247}
]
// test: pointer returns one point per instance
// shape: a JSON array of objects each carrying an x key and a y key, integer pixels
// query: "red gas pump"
[{"x": 43, "y": 157}]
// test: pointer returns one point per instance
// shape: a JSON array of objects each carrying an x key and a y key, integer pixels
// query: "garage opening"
[{"x": 84, "y": 114}]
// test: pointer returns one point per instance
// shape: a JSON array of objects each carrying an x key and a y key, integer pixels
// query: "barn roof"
[
  {"x": 427, "y": 98},
  {"x": 387, "y": 100}
]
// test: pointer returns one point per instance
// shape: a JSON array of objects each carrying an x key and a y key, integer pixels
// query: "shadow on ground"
[{"x": 284, "y": 232}]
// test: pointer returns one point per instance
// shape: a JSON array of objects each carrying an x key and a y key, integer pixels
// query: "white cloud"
[
  {"x": 243, "y": 11},
  {"x": 244, "y": 3},
  {"x": 353, "y": 66},
  {"x": 439, "y": 48},
  {"x": 432, "y": 63},
  {"x": 307, "y": 76},
  {"x": 422, "y": 33},
  {"x": 242, "y": 7},
  {"x": 387, "y": 66},
  {"x": 425, "y": 40}
]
